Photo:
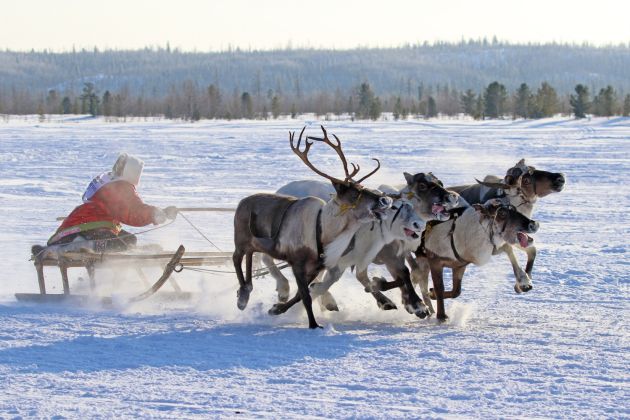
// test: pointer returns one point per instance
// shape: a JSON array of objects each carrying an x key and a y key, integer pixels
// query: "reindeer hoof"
[
  {"x": 276, "y": 309},
  {"x": 387, "y": 306},
  {"x": 332, "y": 307},
  {"x": 527, "y": 288},
  {"x": 314, "y": 326},
  {"x": 423, "y": 313},
  {"x": 442, "y": 318},
  {"x": 376, "y": 284},
  {"x": 242, "y": 297}
]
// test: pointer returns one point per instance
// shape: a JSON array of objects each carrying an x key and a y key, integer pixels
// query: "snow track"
[{"x": 560, "y": 350}]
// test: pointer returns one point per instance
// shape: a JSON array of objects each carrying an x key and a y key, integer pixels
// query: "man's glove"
[
  {"x": 159, "y": 216},
  {"x": 171, "y": 212}
]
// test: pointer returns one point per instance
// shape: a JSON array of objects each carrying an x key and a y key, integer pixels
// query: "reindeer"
[
  {"x": 308, "y": 233},
  {"x": 400, "y": 222},
  {"x": 470, "y": 238},
  {"x": 521, "y": 187},
  {"x": 396, "y": 238}
]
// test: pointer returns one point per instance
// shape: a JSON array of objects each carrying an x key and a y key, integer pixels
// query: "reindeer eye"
[
  {"x": 526, "y": 180},
  {"x": 502, "y": 213},
  {"x": 422, "y": 186}
]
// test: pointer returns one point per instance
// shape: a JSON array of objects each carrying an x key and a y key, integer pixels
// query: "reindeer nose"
[
  {"x": 559, "y": 181},
  {"x": 453, "y": 199},
  {"x": 533, "y": 226},
  {"x": 385, "y": 202}
]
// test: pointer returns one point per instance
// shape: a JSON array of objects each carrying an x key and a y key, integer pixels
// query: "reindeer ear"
[
  {"x": 479, "y": 208},
  {"x": 340, "y": 188},
  {"x": 521, "y": 162},
  {"x": 408, "y": 178}
]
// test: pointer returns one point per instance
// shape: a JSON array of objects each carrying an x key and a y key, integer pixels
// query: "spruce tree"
[
  {"x": 398, "y": 109},
  {"x": 66, "y": 105},
  {"x": 494, "y": 98},
  {"x": 546, "y": 101},
  {"x": 431, "y": 108},
  {"x": 626, "y": 106},
  {"x": 579, "y": 102},
  {"x": 107, "y": 104},
  {"x": 522, "y": 100}
]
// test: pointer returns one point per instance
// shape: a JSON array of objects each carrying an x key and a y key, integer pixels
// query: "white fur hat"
[{"x": 128, "y": 168}]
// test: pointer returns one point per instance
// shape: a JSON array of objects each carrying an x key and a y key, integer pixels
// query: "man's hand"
[
  {"x": 159, "y": 216},
  {"x": 171, "y": 212}
]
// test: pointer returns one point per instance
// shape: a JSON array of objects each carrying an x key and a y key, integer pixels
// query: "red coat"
[{"x": 115, "y": 203}]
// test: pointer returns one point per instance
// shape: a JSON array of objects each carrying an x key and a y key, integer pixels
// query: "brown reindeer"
[{"x": 307, "y": 233}]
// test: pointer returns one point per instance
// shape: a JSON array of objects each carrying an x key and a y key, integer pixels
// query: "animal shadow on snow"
[{"x": 219, "y": 347}]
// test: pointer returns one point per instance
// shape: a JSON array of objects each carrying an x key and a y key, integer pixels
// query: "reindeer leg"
[
  {"x": 319, "y": 289},
  {"x": 523, "y": 281},
  {"x": 382, "y": 301},
  {"x": 458, "y": 275},
  {"x": 381, "y": 284},
  {"x": 282, "y": 283},
  {"x": 438, "y": 287},
  {"x": 531, "y": 257},
  {"x": 410, "y": 299},
  {"x": 244, "y": 290},
  {"x": 303, "y": 279},
  {"x": 420, "y": 276}
]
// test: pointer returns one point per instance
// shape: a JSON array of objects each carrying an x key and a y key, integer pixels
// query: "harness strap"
[
  {"x": 396, "y": 215},
  {"x": 452, "y": 235},
  {"x": 350, "y": 245},
  {"x": 318, "y": 238}
]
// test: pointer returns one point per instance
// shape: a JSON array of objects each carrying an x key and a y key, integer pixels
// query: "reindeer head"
[
  {"x": 506, "y": 223},
  {"x": 428, "y": 196},
  {"x": 529, "y": 181},
  {"x": 365, "y": 204},
  {"x": 404, "y": 223},
  {"x": 533, "y": 182}
]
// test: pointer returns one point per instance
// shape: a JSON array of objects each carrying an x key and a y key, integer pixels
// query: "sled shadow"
[{"x": 219, "y": 347}]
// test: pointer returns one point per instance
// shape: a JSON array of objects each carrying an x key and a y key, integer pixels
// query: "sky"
[{"x": 208, "y": 25}]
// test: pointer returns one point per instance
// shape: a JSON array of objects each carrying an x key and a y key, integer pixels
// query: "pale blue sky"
[{"x": 264, "y": 24}]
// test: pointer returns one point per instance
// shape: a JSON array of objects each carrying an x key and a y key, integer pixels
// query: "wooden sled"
[{"x": 171, "y": 261}]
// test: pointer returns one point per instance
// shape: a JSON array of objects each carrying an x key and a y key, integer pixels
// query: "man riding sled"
[{"x": 109, "y": 201}]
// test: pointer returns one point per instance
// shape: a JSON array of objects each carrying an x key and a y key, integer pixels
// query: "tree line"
[{"x": 189, "y": 101}]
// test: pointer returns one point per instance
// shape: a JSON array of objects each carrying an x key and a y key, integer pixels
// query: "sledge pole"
[
  {"x": 184, "y": 209},
  {"x": 206, "y": 209}
]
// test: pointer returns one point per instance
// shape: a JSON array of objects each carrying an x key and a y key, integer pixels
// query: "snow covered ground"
[{"x": 560, "y": 350}]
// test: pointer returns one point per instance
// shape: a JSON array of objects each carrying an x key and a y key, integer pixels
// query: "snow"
[{"x": 560, "y": 350}]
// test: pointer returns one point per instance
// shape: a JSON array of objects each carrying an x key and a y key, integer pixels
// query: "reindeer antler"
[
  {"x": 303, "y": 155},
  {"x": 337, "y": 148},
  {"x": 378, "y": 166}
]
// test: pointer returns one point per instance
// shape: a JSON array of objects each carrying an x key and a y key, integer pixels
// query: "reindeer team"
[{"x": 323, "y": 229}]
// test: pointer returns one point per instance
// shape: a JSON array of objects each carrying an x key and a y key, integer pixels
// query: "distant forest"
[{"x": 483, "y": 79}]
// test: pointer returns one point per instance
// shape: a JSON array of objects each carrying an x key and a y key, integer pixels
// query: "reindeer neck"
[
  {"x": 523, "y": 204},
  {"x": 337, "y": 231}
]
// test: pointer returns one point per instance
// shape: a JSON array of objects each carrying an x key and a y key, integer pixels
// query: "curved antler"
[
  {"x": 336, "y": 146},
  {"x": 378, "y": 166},
  {"x": 303, "y": 155},
  {"x": 342, "y": 156}
]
